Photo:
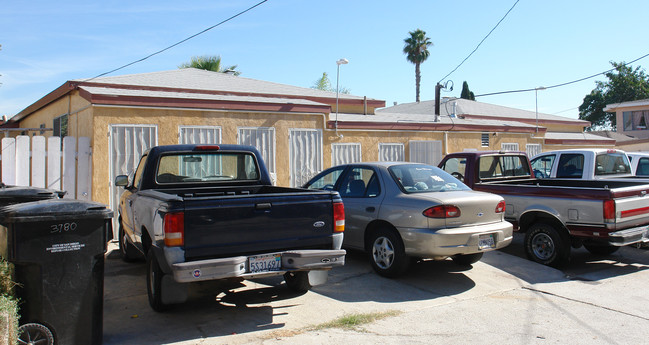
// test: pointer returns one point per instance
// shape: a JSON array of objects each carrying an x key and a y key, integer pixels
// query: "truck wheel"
[
  {"x": 128, "y": 251},
  {"x": 154, "y": 276},
  {"x": 298, "y": 281},
  {"x": 466, "y": 259},
  {"x": 601, "y": 249},
  {"x": 388, "y": 256},
  {"x": 545, "y": 245},
  {"x": 35, "y": 333}
]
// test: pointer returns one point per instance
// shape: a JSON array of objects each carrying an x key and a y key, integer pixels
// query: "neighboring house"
[
  {"x": 632, "y": 119},
  {"x": 298, "y": 130}
]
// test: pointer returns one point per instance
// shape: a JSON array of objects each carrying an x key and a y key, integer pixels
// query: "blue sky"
[{"x": 540, "y": 43}]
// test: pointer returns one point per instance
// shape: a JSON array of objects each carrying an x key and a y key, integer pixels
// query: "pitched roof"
[
  {"x": 202, "y": 80},
  {"x": 478, "y": 110},
  {"x": 637, "y": 103}
]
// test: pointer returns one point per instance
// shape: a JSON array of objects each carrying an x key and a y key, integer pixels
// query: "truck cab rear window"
[{"x": 192, "y": 167}]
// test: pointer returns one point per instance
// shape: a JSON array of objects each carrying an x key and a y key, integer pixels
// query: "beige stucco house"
[{"x": 298, "y": 130}]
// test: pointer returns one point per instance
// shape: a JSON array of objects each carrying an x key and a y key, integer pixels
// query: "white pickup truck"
[{"x": 582, "y": 164}]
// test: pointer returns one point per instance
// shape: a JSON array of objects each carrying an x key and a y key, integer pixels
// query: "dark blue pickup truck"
[{"x": 208, "y": 212}]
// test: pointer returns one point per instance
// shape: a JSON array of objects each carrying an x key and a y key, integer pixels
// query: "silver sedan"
[{"x": 403, "y": 211}]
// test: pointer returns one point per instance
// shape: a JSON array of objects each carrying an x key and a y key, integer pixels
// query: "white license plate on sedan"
[
  {"x": 265, "y": 263},
  {"x": 486, "y": 241}
]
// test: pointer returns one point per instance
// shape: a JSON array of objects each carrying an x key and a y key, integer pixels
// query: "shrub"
[{"x": 8, "y": 305}]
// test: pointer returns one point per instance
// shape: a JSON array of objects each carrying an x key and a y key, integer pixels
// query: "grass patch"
[
  {"x": 353, "y": 321},
  {"x": 8, "y": 305}
]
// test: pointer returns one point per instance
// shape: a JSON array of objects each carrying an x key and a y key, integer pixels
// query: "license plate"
[
  {"x": 486, "y": 241},
  {"x": 265, "y": 263}
]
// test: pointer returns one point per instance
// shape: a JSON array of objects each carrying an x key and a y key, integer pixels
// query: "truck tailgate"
[
  {"x": 250, "y": 224},
  {"x": 631, "y": 206}
]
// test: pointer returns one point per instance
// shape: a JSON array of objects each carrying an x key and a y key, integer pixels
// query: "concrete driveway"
[{"x": 502, "y": 299}]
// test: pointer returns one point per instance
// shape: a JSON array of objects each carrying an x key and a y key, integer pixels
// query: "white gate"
[
  {"x": 39, "y": 162},
  {"x": 305, "y": 155},
  {"x": 127, "y": 143}
]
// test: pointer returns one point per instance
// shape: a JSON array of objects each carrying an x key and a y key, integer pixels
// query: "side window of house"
[
  {"x": 60, "y": 126},
  {"x": 571, "y": 165},
  {"x": 542, "y": 166}
]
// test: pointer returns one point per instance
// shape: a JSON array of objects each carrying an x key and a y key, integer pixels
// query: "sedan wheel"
[{"x": 388, "y": 255}]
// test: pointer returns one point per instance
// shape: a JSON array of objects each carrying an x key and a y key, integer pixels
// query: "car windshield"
[
  {"x": 419, "y": 178},
  {"x": 192, "y": 167}
]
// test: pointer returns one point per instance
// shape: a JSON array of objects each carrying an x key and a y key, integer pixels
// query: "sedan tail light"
[
  {"x": 174, "y": 229},
  {"x": 501, "y": 207},
  {"x": 442, "y": 211}
]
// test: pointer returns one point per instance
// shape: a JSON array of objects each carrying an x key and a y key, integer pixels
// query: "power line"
[
  {"x": 563, "y": 84},
  {"x": 179, "y": 42},
  {"x": 478, "y": 46}
]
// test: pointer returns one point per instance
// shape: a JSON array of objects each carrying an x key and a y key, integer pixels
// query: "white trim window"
[
  {"x": 345, "y": 153},
  {"x": 263, "y": 139},
  {"x": 199, "y": 134},
  {"x": 305, "y": 155},
  {"x": 509, "y": 147},
  {"x": 391, "y": 152},
  {"x": 532, "y": 149}
]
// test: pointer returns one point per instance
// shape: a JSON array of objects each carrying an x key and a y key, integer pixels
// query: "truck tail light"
[
  {"x": 339, "y": 217},
  {"x": 442, "y": 211},
  {"x": 501, "y": 207},
  {"x": 609, "y": 211},
  {"x": 174, "y": 229}
]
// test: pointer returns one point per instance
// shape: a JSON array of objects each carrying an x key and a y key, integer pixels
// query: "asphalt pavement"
[{"x": 502, "y": 299}]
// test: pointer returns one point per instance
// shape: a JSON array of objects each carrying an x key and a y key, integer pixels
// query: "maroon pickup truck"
[{"x": 557, "y": 214}]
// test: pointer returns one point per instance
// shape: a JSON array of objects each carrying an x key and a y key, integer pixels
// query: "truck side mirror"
[{"x": 121, "y": 181}]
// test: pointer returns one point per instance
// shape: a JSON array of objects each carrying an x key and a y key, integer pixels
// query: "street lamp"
[
  {"x": 342, "y": 61},
  {"x": 536, "y": 96}
]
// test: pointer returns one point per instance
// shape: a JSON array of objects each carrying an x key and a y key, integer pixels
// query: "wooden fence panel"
[
  {"x": 9, "y": 161},
  {"x": 54, "y": 163},
  {"x": 28, "y": 161},
  {"x": 39, "y": 172}
]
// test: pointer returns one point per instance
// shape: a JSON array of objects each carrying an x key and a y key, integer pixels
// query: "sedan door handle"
[{"x": 370, "y": 209}]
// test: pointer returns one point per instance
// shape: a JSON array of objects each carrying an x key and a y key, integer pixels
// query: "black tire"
[
  {"x": 126, "y": 248},
  {"x": 154, "y": 276},
  {"x": 35, "y": 333},
  {"x": 601, "y": 249},
  {"x": 387, "y": 253},
  {"x": 298, "y": 281},
  {"x": 467, "y": 259},
  {"x": 546, "y": 245}
]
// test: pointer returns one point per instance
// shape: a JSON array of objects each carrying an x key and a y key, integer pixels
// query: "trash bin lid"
[
  {"x": 25, "y": 194},
  {"x": 54, "y": 209}
]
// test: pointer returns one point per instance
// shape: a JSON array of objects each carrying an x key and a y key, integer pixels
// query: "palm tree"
[
  {"x": 416, "y": 50},
  {"x": 209, "y": 63}
]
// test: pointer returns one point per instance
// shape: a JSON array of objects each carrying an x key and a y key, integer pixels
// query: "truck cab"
[{"x": 582, "y": 164}]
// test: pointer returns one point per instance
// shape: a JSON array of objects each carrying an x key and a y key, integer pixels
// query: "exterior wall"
[
  {"x": 77, "y": 108},
  {"x": 562, "y": 127}
]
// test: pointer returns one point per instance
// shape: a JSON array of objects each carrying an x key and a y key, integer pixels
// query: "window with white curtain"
[
  {"x": 426, "y": 151},
  {"x": 509, "y": 147},
  {"x": 199, "y": 135},
  {"x": 305, "y": 155},
  {"x": 391, "y": 152},
  {"x": 263, "y": 139},
  {"x": 345, "y": 153},
  {"x": 532, "y": 149}
]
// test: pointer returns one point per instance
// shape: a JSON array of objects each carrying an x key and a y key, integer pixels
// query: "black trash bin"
[
  {"x": 57, "y": 247},
  {"x": 10, "y": 195}
]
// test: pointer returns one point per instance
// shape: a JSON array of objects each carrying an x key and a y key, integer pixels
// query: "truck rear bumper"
[
  {"x": 428, "y": 243},
  {"x": 293, "y": 260},
  {"x": 629, "y": 236}
]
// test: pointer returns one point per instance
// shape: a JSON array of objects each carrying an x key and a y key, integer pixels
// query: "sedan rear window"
[{"x": 420, "y": 178}]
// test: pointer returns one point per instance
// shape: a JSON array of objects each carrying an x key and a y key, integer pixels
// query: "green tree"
[
  {"x": 324, "y": 84},
  {"x": 209, "y": 63},
  {"x": 466, "y": 93},
  {"x": 416, "y": 50},
  {"x": 624, "y": 84}
]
